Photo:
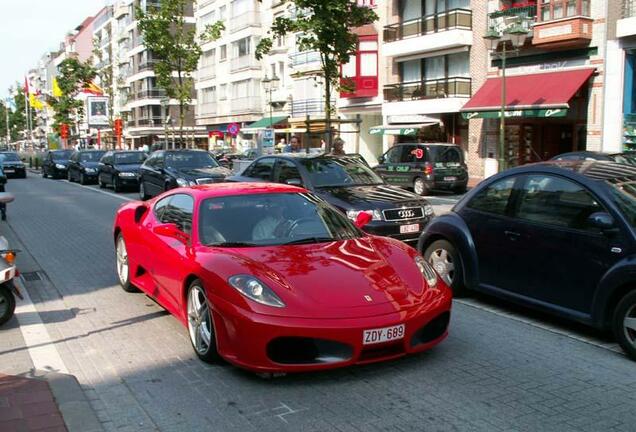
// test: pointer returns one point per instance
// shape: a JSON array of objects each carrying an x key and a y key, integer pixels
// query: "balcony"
[
  {"x": 147, "y": 66},
  {"x": 243, "y": 105},
  {"x": 359, "y": 87},
  {"x": 444, "y": 30},
  {"x": 206, "y": 72},
  {"x": 308, "y": 107},
  {"x": 303, "y": 58},
  {"x": 207, "y": 109},
  {"x": 150, "y": 94},
  {"x": 244, "y": 62},
  {"x": 156, "y": 121},
  {"x": 245, "y": 20},
  {"x": 501, "y": 20},
  {"x": 563, "y": 23},
  {"x": 626, "y": 26},
  {"x": 429, "y": 89}
]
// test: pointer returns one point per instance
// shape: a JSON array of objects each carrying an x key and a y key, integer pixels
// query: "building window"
[
  {"x": 208, "y": 95},
  {"x": 223, "y": 92},
  {"x": 361, "y": 73},
  {"x": 222, "y": 13},
  {"x": 223, "y": 53},
  {"x": 242, "y": 47},
  {"x": 558, "y": 9}
]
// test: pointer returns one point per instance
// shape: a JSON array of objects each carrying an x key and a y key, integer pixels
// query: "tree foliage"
[
  {"x": 106, "y": 79},
  {"x": 72, "y": 78},
  {"x": 17, "y": 116},
  {"x": 174, "y": 45},
  {"x": 324, "y": 26}
]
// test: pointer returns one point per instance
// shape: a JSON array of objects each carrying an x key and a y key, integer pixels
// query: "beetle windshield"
[
  {"x": 271, "y": 219},
  {"x": 340, "y": 172},
  {"x": 624, "y": 196}
]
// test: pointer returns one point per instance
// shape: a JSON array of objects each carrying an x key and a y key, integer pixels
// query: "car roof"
[
  {"x": 242, "y": 188},
  {"x": 436, "y": 144},
  {"x": 589, "y": 169}
]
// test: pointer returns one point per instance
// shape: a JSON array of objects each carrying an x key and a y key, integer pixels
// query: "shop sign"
[
  {"x": 541, "y": 113},
  {"x": 547, "y": 66}
]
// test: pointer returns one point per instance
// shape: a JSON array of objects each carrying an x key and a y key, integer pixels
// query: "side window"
[
  {"x": 556, "y": 201},
  {"x": 393, "y": 155},
  {"x": 150, "y": 162},
  {"x": 179, "y": 212},
  {"x": 494, "y": 198},
  {"x": 262, "y": 169},
  {"x": 413, "y": 154},
  {"x": 160, "y": 206},
  {"x": 159, "y": 161},
  {"x": 288, "y": 170}
]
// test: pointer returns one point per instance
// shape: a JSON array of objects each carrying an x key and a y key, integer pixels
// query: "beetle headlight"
[
  {"x": 256, "y": 290},
  {"x": 182, "y": 182},
  {"x": 427, "y": 271},
  {"x": 60, "y": 166},
  {"x": 375, "y": 214}
]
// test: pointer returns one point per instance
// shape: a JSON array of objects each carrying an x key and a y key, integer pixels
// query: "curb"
[{"x": 75, "y": 408}]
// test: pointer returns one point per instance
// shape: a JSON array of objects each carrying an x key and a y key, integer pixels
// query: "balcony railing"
[
  {"x": 207, "y": 109},
  {"x": 428, "y": 89},
  {"x": 501, "y": 20},
  {"x": 454, "y": 19},
  {"x": 245, "y": 104},
  {"x": 244, "y": 62},
  {"x": 148, "y": 65},
  {"x": 207, "y": 72},
  {"x": 150, "y": 121},
  {"x": 150, "y": 94},
  {"x": 203, "y": 3},
  {"x": 304, "y": 58},
  {"x": 560, "y": 9},
  {"x": 308, "y": 107},
  {"x": 245, "y": 20},
  {"x": 629, "y": 9}
]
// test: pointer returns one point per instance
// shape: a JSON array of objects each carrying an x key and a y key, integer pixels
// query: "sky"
[{"x": 29, "y": 28}]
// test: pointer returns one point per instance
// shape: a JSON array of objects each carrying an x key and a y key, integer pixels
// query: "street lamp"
[
  {"x": 270, "y": 85},
  {"x": 492, "y": 38}
]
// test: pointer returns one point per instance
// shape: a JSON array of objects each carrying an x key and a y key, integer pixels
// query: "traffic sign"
[{"x": 233, "y": 129}]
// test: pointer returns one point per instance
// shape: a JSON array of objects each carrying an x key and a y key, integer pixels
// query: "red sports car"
[{"x": 273, "y": 279}]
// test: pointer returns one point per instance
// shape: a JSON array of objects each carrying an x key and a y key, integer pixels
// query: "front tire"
[
  {"x": 116, "y": 185},
  {"x": 123, "y": 267},
  {"x": 445, "y": 259},
  {"x": 82, "y": 179},
  {"x": 7, "y": 303},
  {"x": 200, "y": 323},
  {"x": 69, "y": 176},
  {"x": 44, "y": 174},
  {"x": 624, "y": 324},
  {"x": 419, "y": 187}
]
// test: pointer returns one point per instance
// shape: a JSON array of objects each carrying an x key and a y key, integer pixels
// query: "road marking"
[
  {"x": 42, "y": 350},
  {"x": 540, "y": 325},
  {"x": 123, "y": 198}
]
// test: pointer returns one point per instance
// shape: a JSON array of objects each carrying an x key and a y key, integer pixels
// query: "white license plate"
[
  {"x": 9, "y": 170},
  {"x": 450, "y": 178},
  {"x": 408, "y": 229},
  {"x": 385, "y": 334}
]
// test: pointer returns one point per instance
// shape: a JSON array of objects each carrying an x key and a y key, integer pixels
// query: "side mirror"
[
  {"x": 381, "y": 159},
  {"x": 294, "y": 182},
  {"x": 172, "y": 231},
  {"x": 363, "y": 219},
  {"x": 601, "y": 220}
]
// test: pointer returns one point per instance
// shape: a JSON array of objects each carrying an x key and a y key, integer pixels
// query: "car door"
[
  {"x": 169, "y": 254},
  {"x": 103, "y": 172},
  {"x": 489, "y": 221},
  {"x": 563, "y": 256},
  {"x": 71, "y": 165},
  {"x": 153, "y": 174}
]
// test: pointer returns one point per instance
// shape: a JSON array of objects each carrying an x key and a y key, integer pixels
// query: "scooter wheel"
[{"x": 7, "y": 304}]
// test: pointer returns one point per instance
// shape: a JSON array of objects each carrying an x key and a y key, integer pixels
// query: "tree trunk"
[{"x": 327, "y": 78}]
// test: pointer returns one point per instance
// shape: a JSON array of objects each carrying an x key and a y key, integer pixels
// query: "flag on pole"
[
  {"x": 57, "y": 91},
  {"x": 35, "y": 102},
  {"x": 26, "y": 86},
  {"x": 93, "y": 89}
]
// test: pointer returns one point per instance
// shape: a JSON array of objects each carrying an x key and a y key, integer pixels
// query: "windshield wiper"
[
  {"x": 309, "y": 240},
  {"x": 233, "y": 244}
]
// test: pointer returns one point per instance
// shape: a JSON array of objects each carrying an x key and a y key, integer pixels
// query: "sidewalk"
[{"x": 28, "y": 405}]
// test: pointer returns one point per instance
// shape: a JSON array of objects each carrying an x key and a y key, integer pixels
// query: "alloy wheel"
[
  {"x": 122, "y": 261},
  {"x": 142, "y": 191},
  {"x": 4, "y": 306},
  {"x": 418, "y": 187},
  {"x": 629, "y": 325},
  {"x": 199, "y": 320},
  {"x": 443, "y": 263}
]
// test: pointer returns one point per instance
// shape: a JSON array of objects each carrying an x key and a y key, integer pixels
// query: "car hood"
[
  {"x": 381, "y": 197},
  {"x": 196, "y": 173},
  {"x": 343, "y": 279},
  {"x": 61, "y": 162},
  {"x": 93, "y": 165},
  {"x": 128, "y": 167},
  {"x": 13, "y": 164}
]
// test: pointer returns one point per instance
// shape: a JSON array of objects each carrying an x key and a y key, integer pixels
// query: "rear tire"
[
  {"x": 82, "y": 179},
  {"x": 201, "y": 323},
  {"x": 624, "y": 324},
  {"x": 445, "y": 259},
  {"x": 7, "y": 303},
  {"x": 123, "y": 266},
  {"x": 116, "y": 185},
  {"x": 419, "y": 187}
]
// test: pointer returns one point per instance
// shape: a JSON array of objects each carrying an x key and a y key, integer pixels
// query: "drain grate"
[{"x": 32, "y": 276}]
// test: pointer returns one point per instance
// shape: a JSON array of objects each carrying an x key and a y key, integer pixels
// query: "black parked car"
[
  {"x": 82, "y": 166},
  {"x": 350, "y": 186},
  {"x": 424, "y": 167},
  {"x": 556, "y": 236},
  {"x": 168, "y": 169},
  {"x": 120, "y": 169},
  {"x": 12, "y": 165},
  {"x": 55, "y": 163}
]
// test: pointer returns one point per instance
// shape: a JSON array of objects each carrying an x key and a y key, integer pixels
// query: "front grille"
[
  {"x": 203, "y": 181},
  {"x": 401, "y": 214}
]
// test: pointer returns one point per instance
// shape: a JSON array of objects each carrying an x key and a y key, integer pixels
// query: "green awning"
[
  {"x": 542, "y": 113},
  {"x": 405, "y": 130},
  {"x": 265, "y": 123}
]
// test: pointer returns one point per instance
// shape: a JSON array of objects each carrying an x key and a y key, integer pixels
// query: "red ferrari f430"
[{"x": 273, "y": 279}]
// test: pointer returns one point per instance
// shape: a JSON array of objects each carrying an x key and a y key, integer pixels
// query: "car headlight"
[
  {"x": 256, "y": 290},
  {"x": 90, "y": 170},
  {"x": 127, "y": 174},
  {"x": 183, "y": 182},
  {"x": 428, "y": 210},
  {"x": 9, "y": 257},
  {"x": 60, "y": 166},
  {"x": 375, "y": 214},
  {"x": 427, "y": 271}
]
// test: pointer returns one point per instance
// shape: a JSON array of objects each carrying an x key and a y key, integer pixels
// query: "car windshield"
[
  {"x": 130, "y": 158},
  {"x": 190, "y": 160},
  {"x": 624, "y": 195},
  {"x": 271, "y": 219},
  {"x": 61, "y": 155},
  {"x": 9, "y": 157},
  {"x": 93, "y": 156},
  {"x": 340, "y": 172},
  {"x": 625, "y": 158}
]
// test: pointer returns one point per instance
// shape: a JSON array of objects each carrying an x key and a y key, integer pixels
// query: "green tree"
[
  {"x": 73, "y": 77},
  {"x": 174, "y": 45},
  {"x": 324, "y": 26},
  {"x": 17, "y": 117},
  {"x": 106, "y": 80}
]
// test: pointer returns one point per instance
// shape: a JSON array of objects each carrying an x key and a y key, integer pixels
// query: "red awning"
[{"x": 535, "y": 91}]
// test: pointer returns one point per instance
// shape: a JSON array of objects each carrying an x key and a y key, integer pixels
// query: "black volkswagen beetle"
[
  {"x": 349, "y": 185},
  {"x": 55, "y": 163},
  {"x": 556, "y": 236},
  {"x": 12, "y": 164},
  {"x": 168, "y": 169},
  {"x": 120, "y": 169},
  {"x": 82, "y": 166}
]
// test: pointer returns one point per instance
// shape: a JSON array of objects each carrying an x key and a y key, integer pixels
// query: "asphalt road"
[{"x": 500, "y": 369}]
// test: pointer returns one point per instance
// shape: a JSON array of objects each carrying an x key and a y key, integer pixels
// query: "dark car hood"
[
  {"x": 379, "y": 197},
  {"x": 128, "y": 167},
  {"x": 12, "y": 164},
  {"x": 93, "y": 165},
  {"x": 61, "y": 162},
  {"x": 196, "y": 173}
]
